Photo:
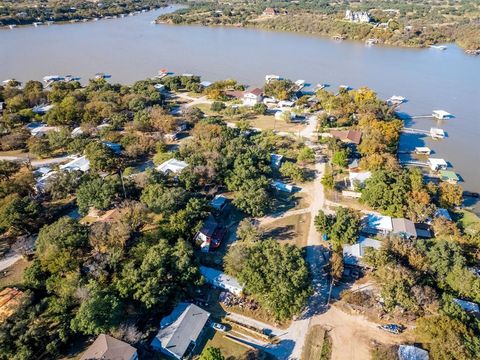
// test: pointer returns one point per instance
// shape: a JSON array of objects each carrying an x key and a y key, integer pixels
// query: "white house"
[
  {"x": 42, "y": 109},
  {"x": 437, "y": 164},
  {"x": 436, "y": 133},
  {"x": 80, "y": 163},
  {"x": 357, "y": 16},
  {"x": 358, "y": 178},
  {"x": 377, "y": 224},
  {"x": 173, "y": 165},
  {"x": 252, "y": 97},
  {"x": 221, "y": 280}
]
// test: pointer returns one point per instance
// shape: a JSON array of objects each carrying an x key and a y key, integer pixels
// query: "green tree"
[
  {"x": 448, "y": 338},
  {"x": 450, "y": 195},
  {"x": 99, "y": 313},
  {"x": 162, "y": 199},
  {"x": 100, "y": 156},
  {"x": 306, "y": 155},
  {"x": 247, "y": 232},
  {"x": 217, "y": 106},
  {"x": 323, "y": 222},
  {"x": 253, "y": 198},
  {"x": 346, "y": 227},
  {"x": 7, "y": 169},
  {"x": 156, "y": 273},
  {"x": 96, "y": 192},
  {"x": 211, "y": 353},
  {"x": 63, "y": 184},
  {"x": 328, "y": 181},
  {"x": 17, "y": 213},
  {"x": 277, "y": 276},
  {"x": 292, "y": 171},
  {"x": 68, "y": 112},
  {"x": 340, "y": 158}
]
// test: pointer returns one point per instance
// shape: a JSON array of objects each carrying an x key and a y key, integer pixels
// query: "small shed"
[
  {"x": 219, "y": 202},
  {"x": 276, "y": 160},
  {"x": 468, "y": 306}
]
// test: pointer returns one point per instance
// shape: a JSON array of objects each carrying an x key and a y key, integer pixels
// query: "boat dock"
[
  {"x": 413, "y": 163},
  {"x": 415, "y": 131}
]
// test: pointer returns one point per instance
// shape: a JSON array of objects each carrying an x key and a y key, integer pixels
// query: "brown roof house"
[
  {"x": 10, "y": 300},
  {"x": 270, "y": 12},
  {"x": 106, "y": 347},
  {"x": 348, "y": 136}
]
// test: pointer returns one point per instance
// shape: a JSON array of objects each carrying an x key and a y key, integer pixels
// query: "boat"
[
  {"x": 12, "y": 26},
  {"x": 102, "y": 76},
  {"x": 370, "y": 42},
  {"x": 36, "y": 24},
  {"x": 271, "y": 77},
  {"x": 153, "y": 22},
  {"x": 436, "y": 133},
  {"x": 422, "y": 150},
  {"x": 438, "y": 47},
  {"x": 69, "y": 78},
  {"x": 320, "y": 86}
]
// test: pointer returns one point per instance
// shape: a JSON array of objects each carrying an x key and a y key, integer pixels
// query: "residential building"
[
  {"x": 252, "y": 97},
  {"x": 81, "y": 163},
  {"x": 357, "y": 16},
  {"x": 377, "y": 224},
  {"x": 221, "y": 280},
  {"x": 449, "y": 176},
  {"x": 172, "y": 166},
  {"x": 410, "y": 352},
  {"x": 436, "y": 133},
  {"x": 348, "y": 136},
  {"x": 106, "y": 347},
  {"x": 42, "y": 109},
  {"x": 352, "y": 254},
  {"x": 404, "y": 228},
  {"x": 358, "y": 178},
  {"x": 116, "y": 148},
  {"x": 211, "y": 234},
  {"x": 441, "y": 212},
  {"x": 181, "y": 331}
]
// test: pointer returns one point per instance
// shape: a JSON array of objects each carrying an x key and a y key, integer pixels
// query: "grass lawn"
[
  {"x": 469, "y": 221},
  {"x": 13, "y": 275},
  {"x": 206, "y": 109},
  {"x": 228, "y": 347},
  {"x": 290, "y": 230},
  {"x": 268, "y": 122}
]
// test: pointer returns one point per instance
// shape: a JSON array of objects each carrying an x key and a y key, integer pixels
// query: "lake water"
[{"x": 132, "y": 48}]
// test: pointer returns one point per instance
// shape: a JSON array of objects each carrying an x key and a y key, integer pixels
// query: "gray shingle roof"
[{"x": 180, "y": 328}]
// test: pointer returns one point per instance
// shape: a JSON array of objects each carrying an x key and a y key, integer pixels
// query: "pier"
[
  {"x": 413, "y": 163},
  {"x": 415, "y": 131}
]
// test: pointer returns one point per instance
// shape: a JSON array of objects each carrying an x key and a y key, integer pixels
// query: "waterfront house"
[
  {"x": 286, "y": 104},
  {"x": 172, "y": 166},
  {"x": 181, "y": 331},
  {"x": 210, "y": 234},
  {"x": 81, "y": 163},
  {"x": 205, "y": 84},
  {"x": 252, "y": 97},
  {"x": 437, "y": 164},
  {"x": 357, "y": 16},
  {"x": 404, "y": 228},
  {"x": 352, "y": 254},
  {"x": 467, "y": 306},
  {"x": 348, "y": 136},
  {"x": 107, "y": 347},
  {"x": 160, "y": 88},
  {"x": 358, "y": 178},
  {"x": 449, "y": 176},
  {"x": 221, "y": 280},
  {"x": 376, "y": 224},
  {"x": 410, "y": 352},
  {"x": 441, "y": 114},
  {"x": 354, "y": 166},
  {"x": 276, "y": 160},
  {"x": 436, "y": 133},
  {"x": 280, "y": 186},
  {"x": 422, "y": 150}
]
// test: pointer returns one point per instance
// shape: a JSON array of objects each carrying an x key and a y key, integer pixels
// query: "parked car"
[
  {"x": 392, "y": 328},
  {"x": 219, "y": 327}
]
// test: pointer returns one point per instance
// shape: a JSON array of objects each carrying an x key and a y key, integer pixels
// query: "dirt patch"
[
  {"x": 314, "y": 343},
  {"x": 290, "y": 229},
  {"x": 13, "y": 275}
]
